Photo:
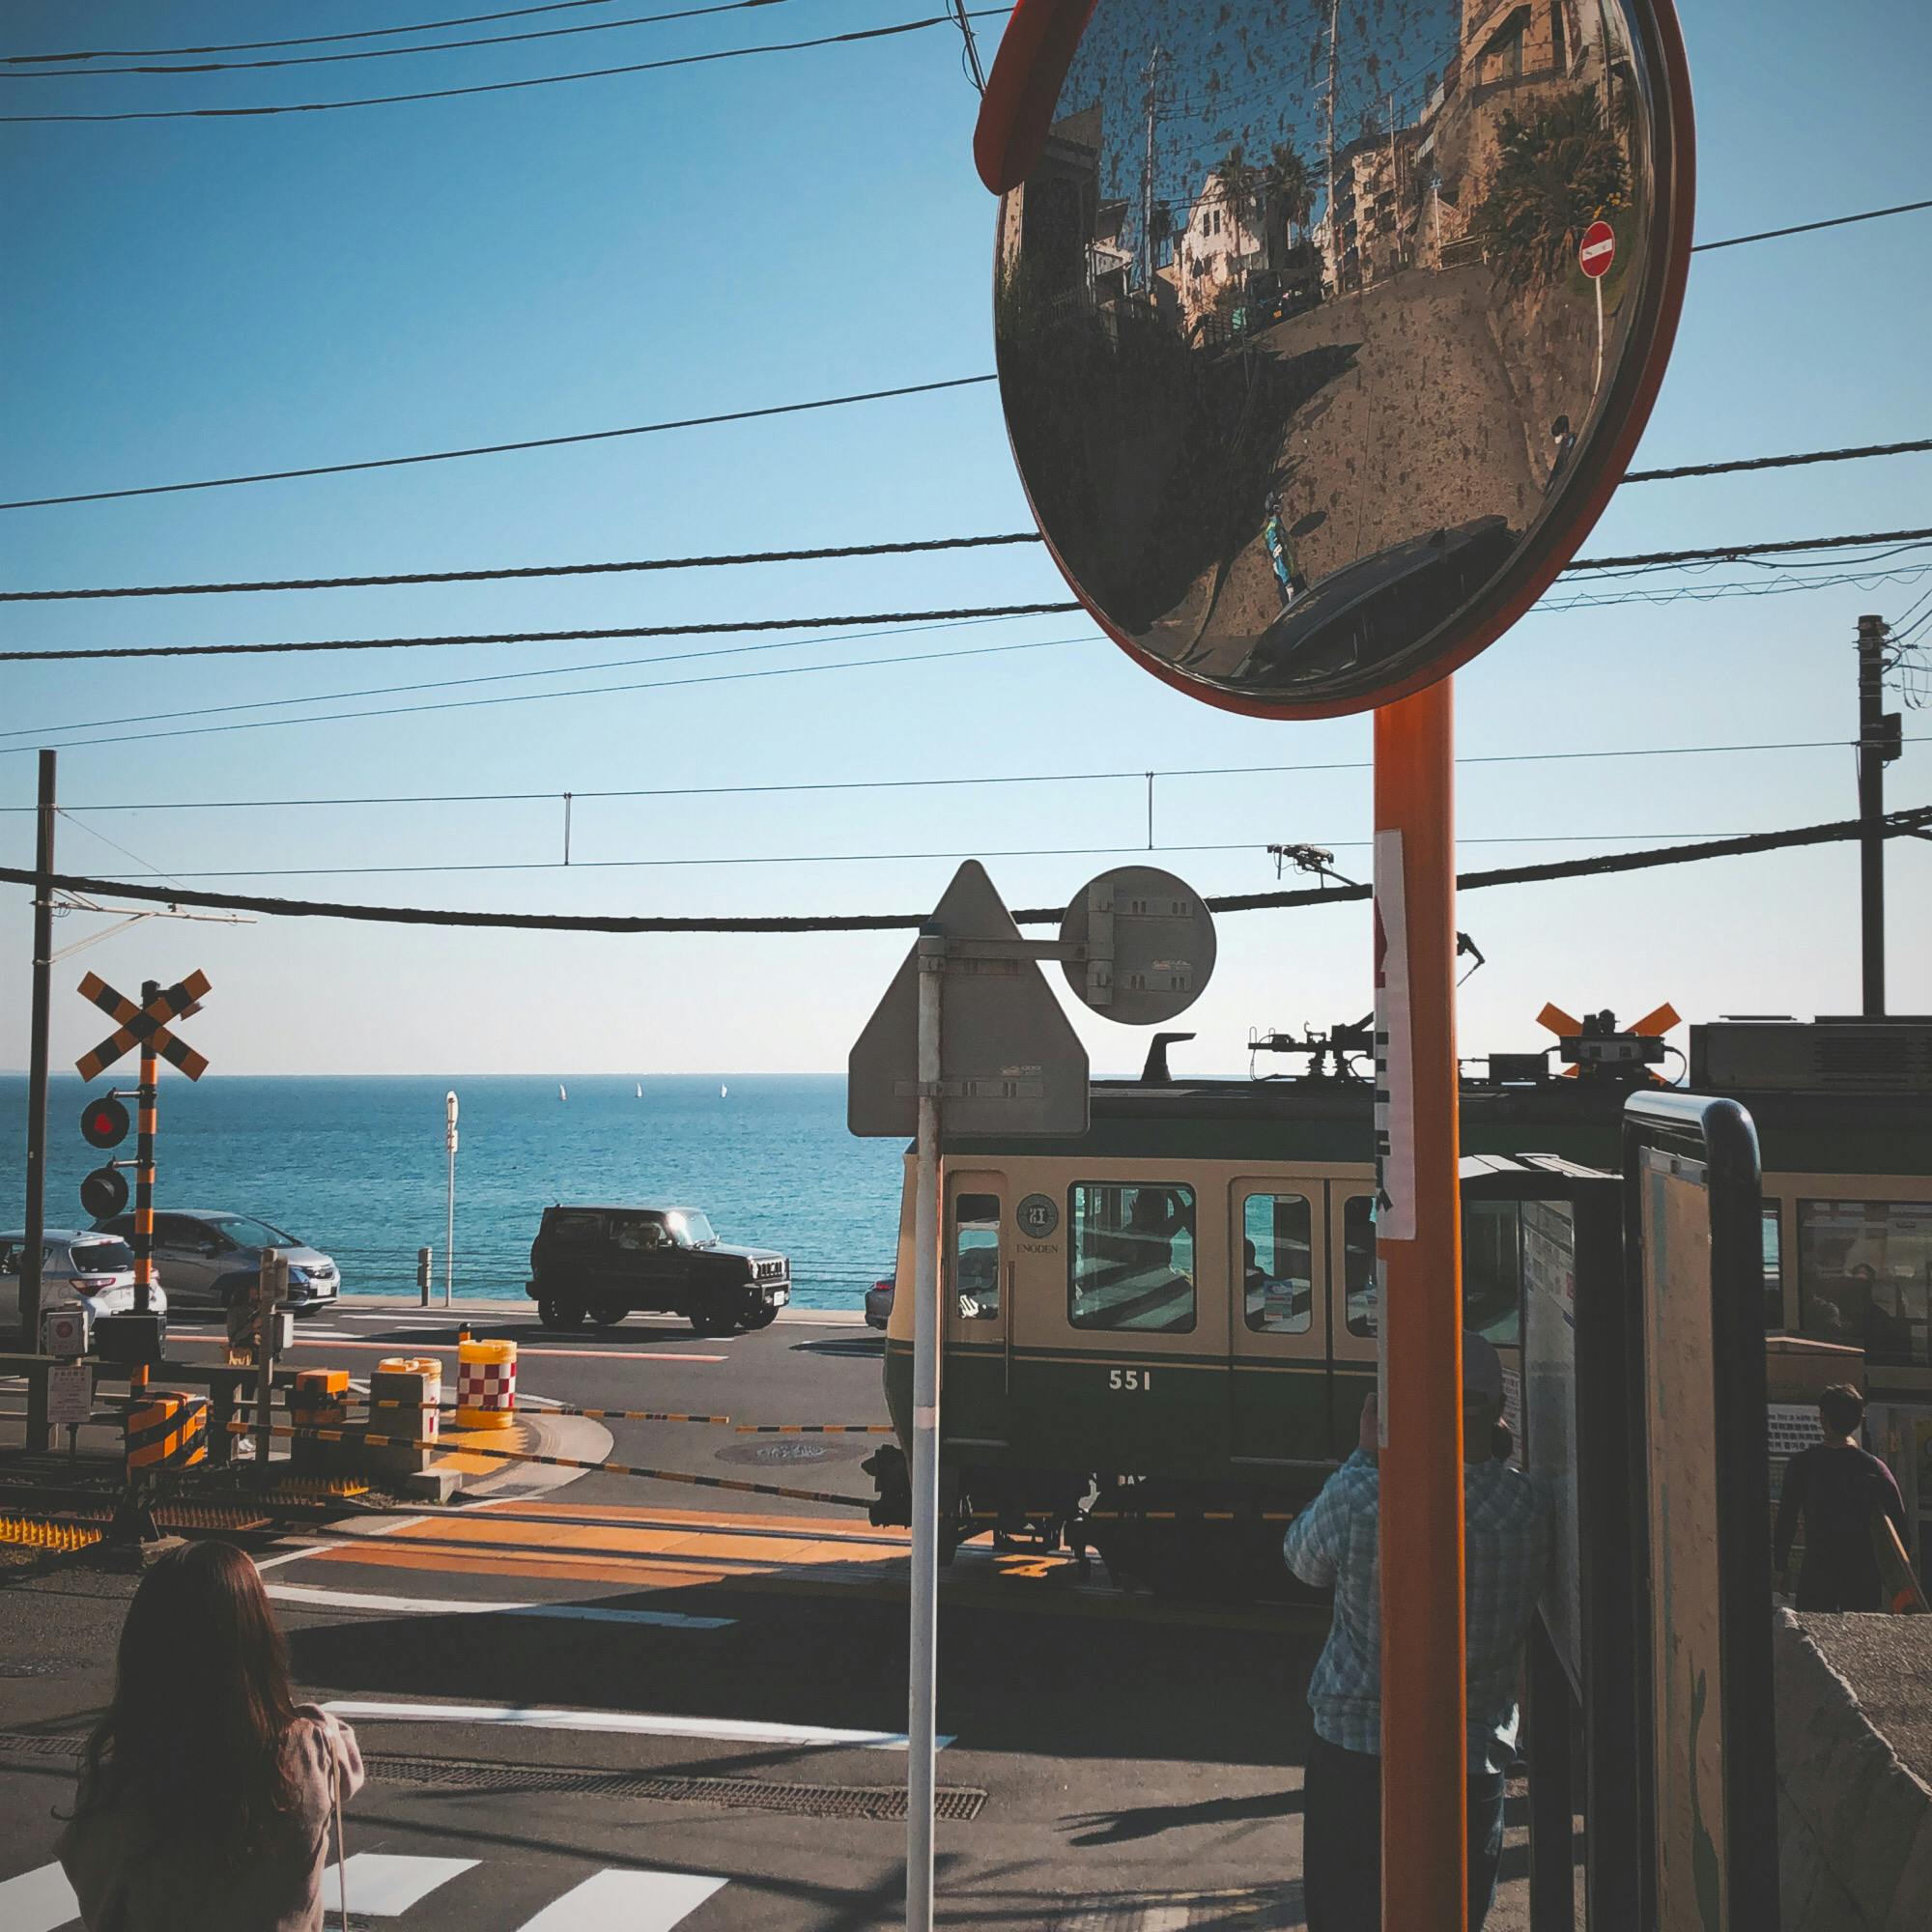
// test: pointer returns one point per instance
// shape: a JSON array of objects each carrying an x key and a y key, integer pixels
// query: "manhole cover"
[{"x": 790, "y": 1452}]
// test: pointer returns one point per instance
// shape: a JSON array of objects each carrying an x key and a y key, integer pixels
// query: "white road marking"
[
  {"x": 290, "y": 1556},
  {"x": 635, "y": 1902},
  {"x": 385, "y": 1885},
  {"x": 634, "y": 1724},
  {"x": 38, "y": 1901},
  {"x": 430, "y": 1606}
]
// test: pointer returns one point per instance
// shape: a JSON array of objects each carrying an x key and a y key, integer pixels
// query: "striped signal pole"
[{"x": 148, "y": 1098}]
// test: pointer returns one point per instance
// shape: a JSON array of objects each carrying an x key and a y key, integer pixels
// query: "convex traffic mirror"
[{"x": 1324, "y": 331}]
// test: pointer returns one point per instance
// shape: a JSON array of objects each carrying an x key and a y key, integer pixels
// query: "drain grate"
[
  {"x": 954, "y": 1802},
  {"x": 32, "y": 1745},
  {"x": 957, "y": 1804}
]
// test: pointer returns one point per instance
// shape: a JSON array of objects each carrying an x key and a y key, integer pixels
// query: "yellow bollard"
[{"x": 486, "y": 1384}]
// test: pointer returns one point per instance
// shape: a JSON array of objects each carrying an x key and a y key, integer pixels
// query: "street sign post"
[
  {"x": 1141, "y": 944},
  {"x": 1595, "y": 253},
  {"x": 970, "y": 1026},
  {"x": 1332, "y": 512}
]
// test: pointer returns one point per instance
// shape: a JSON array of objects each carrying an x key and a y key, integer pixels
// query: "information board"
[
  {"x": 1549, "y": 1400},
  {"x": 1694, "y": 1249},
  {"x": 70, "y": 1395}
]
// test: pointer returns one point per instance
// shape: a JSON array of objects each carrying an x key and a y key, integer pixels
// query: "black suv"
[{"x": 602, "y": 1263}]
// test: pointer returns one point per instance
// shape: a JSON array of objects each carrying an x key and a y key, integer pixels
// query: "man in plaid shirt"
[{"x": 1333, "y": 1544}]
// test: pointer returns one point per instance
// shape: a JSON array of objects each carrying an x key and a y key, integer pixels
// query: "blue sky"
[{"x": 198, "y": 298}]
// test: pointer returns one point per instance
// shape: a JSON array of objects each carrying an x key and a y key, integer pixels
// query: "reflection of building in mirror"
[{"x": 1294, "y": 343}]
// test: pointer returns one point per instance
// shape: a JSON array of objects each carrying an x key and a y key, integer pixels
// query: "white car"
[{"x": 76, "y": 1265}]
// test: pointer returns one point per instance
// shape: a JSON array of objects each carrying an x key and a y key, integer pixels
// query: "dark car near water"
[{"x": 602, "y": 1264}]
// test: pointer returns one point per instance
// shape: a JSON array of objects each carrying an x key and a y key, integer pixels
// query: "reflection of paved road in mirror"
[{"x": 1422, "y": 430}]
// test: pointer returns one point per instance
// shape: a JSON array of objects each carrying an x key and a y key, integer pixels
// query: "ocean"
[{"x": 355, "y": 1165}]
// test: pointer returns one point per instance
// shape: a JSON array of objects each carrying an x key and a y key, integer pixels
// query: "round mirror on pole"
[{"x": 1325, "y": 332}]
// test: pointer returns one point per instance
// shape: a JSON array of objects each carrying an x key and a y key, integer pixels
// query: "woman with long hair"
[{"x": 205, "y": 1790}]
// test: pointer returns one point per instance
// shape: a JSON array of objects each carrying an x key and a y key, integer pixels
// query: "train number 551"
[{"x": 1130, "y": 1378}]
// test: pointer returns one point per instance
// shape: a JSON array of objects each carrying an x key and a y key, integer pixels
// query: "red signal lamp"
[{"x": 103, "y": 1123}]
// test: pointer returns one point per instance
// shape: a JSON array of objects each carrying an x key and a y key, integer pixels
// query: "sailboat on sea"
[
  {"x": 723, "y": 1091},
  {"x": 560, "y": 1093},
  {"x": 641, "y": 1089}
]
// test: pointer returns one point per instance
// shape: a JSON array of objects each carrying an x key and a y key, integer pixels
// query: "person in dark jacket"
[{"x": 1841, "y": 1492}]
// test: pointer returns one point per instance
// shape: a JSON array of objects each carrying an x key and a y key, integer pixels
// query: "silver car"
[
  {"x": 76, "y": 1265},
  {"x": 206, "y": 1260}
]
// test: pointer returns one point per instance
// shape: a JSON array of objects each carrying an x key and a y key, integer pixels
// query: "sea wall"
[{"x": 1854, "y": 1818}]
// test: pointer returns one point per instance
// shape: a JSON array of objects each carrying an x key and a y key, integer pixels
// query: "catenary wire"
[
  {"x": 391, "y": 53},
  {"x": 850, "y": 36},
  {"x": 1901, "y": 824},
  {"x": 312, "y": 40},
  {"x": 1653, "y": 560},
  {"x": 788, "y": 859},
  {"x": 976, "y": 778},
  {"x": 822, "y": 554},
  {"x": 503, "y": 448}
]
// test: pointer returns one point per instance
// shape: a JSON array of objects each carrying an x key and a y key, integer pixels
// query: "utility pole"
[
  {"x": 1146, "y": 170},
  {"x": 1334, "y": 226},
  {"x": 1878, "y": 740},
  {"x": 37, "y": 1101}
]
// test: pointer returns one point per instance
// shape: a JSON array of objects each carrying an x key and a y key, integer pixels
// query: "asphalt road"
[{"x": 633, "y": 1703}]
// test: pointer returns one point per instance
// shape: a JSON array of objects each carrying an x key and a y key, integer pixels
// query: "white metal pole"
[
  {"x": 449, "y": 1230},
  {"x": 1597, "y": 281},
  {"x": 925, "y": 1627}
]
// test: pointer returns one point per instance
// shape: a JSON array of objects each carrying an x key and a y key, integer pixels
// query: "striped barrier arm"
[{"x": 376, "y": 1441}]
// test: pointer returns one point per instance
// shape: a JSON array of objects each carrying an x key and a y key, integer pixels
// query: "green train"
[{"x": 1173, "y": 1315}]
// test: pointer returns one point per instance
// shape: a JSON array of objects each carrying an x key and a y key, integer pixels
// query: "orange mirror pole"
[{"x": 1419, "y": 1263}]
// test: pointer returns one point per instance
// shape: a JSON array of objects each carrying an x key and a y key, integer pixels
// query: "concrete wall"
[{"x": 1854, "y": 1819}]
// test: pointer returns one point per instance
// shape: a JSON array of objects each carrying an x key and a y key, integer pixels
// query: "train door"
[
  {"x": 1352, "y": 1308},
  {"x": 976, "y": 1295},
  {"x": 1277, "y": 1327}
]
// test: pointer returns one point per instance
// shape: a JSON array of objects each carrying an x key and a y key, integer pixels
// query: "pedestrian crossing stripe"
[{"x": 390, "y": 1884}]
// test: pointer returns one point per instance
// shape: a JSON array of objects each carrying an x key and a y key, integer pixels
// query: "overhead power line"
[
  {"x": 538, "y": 697},
  {"x": 1897, "y": 825},
  {"x": 503, "y": 448},
  {"x": 379, "y": 53},
  {"x": 851, "y": 37},
  {"x": 821, "y": 554},
  {"x": 537, "y": 636},
  {"x": 1811, "y": 227},
  {"x": 505, "y": 573},
  {"x": 972, "y": 779},
  {"x": 601, "y": 666},
  {"x": 1651, "y": 559},
  {"x": 311, "y": 40}
]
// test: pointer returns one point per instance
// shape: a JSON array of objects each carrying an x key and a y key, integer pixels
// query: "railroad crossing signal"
[
  {"x": 144, "y": 1025},
  {"x": 104, "y": 1122}
]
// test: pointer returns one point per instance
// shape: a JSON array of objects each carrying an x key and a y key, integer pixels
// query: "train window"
[
  {"x": 1130, "y": 1257},
  {"x": 1276, "y": 1286},
  {"x": 1774, "y": 1270},
  {"x": 1358, "y": 1262},
  {"x": 976, "y": 1256},
  {"x": 1864, "y": 1273},
  {"x": 1493, "y": 1271}
]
